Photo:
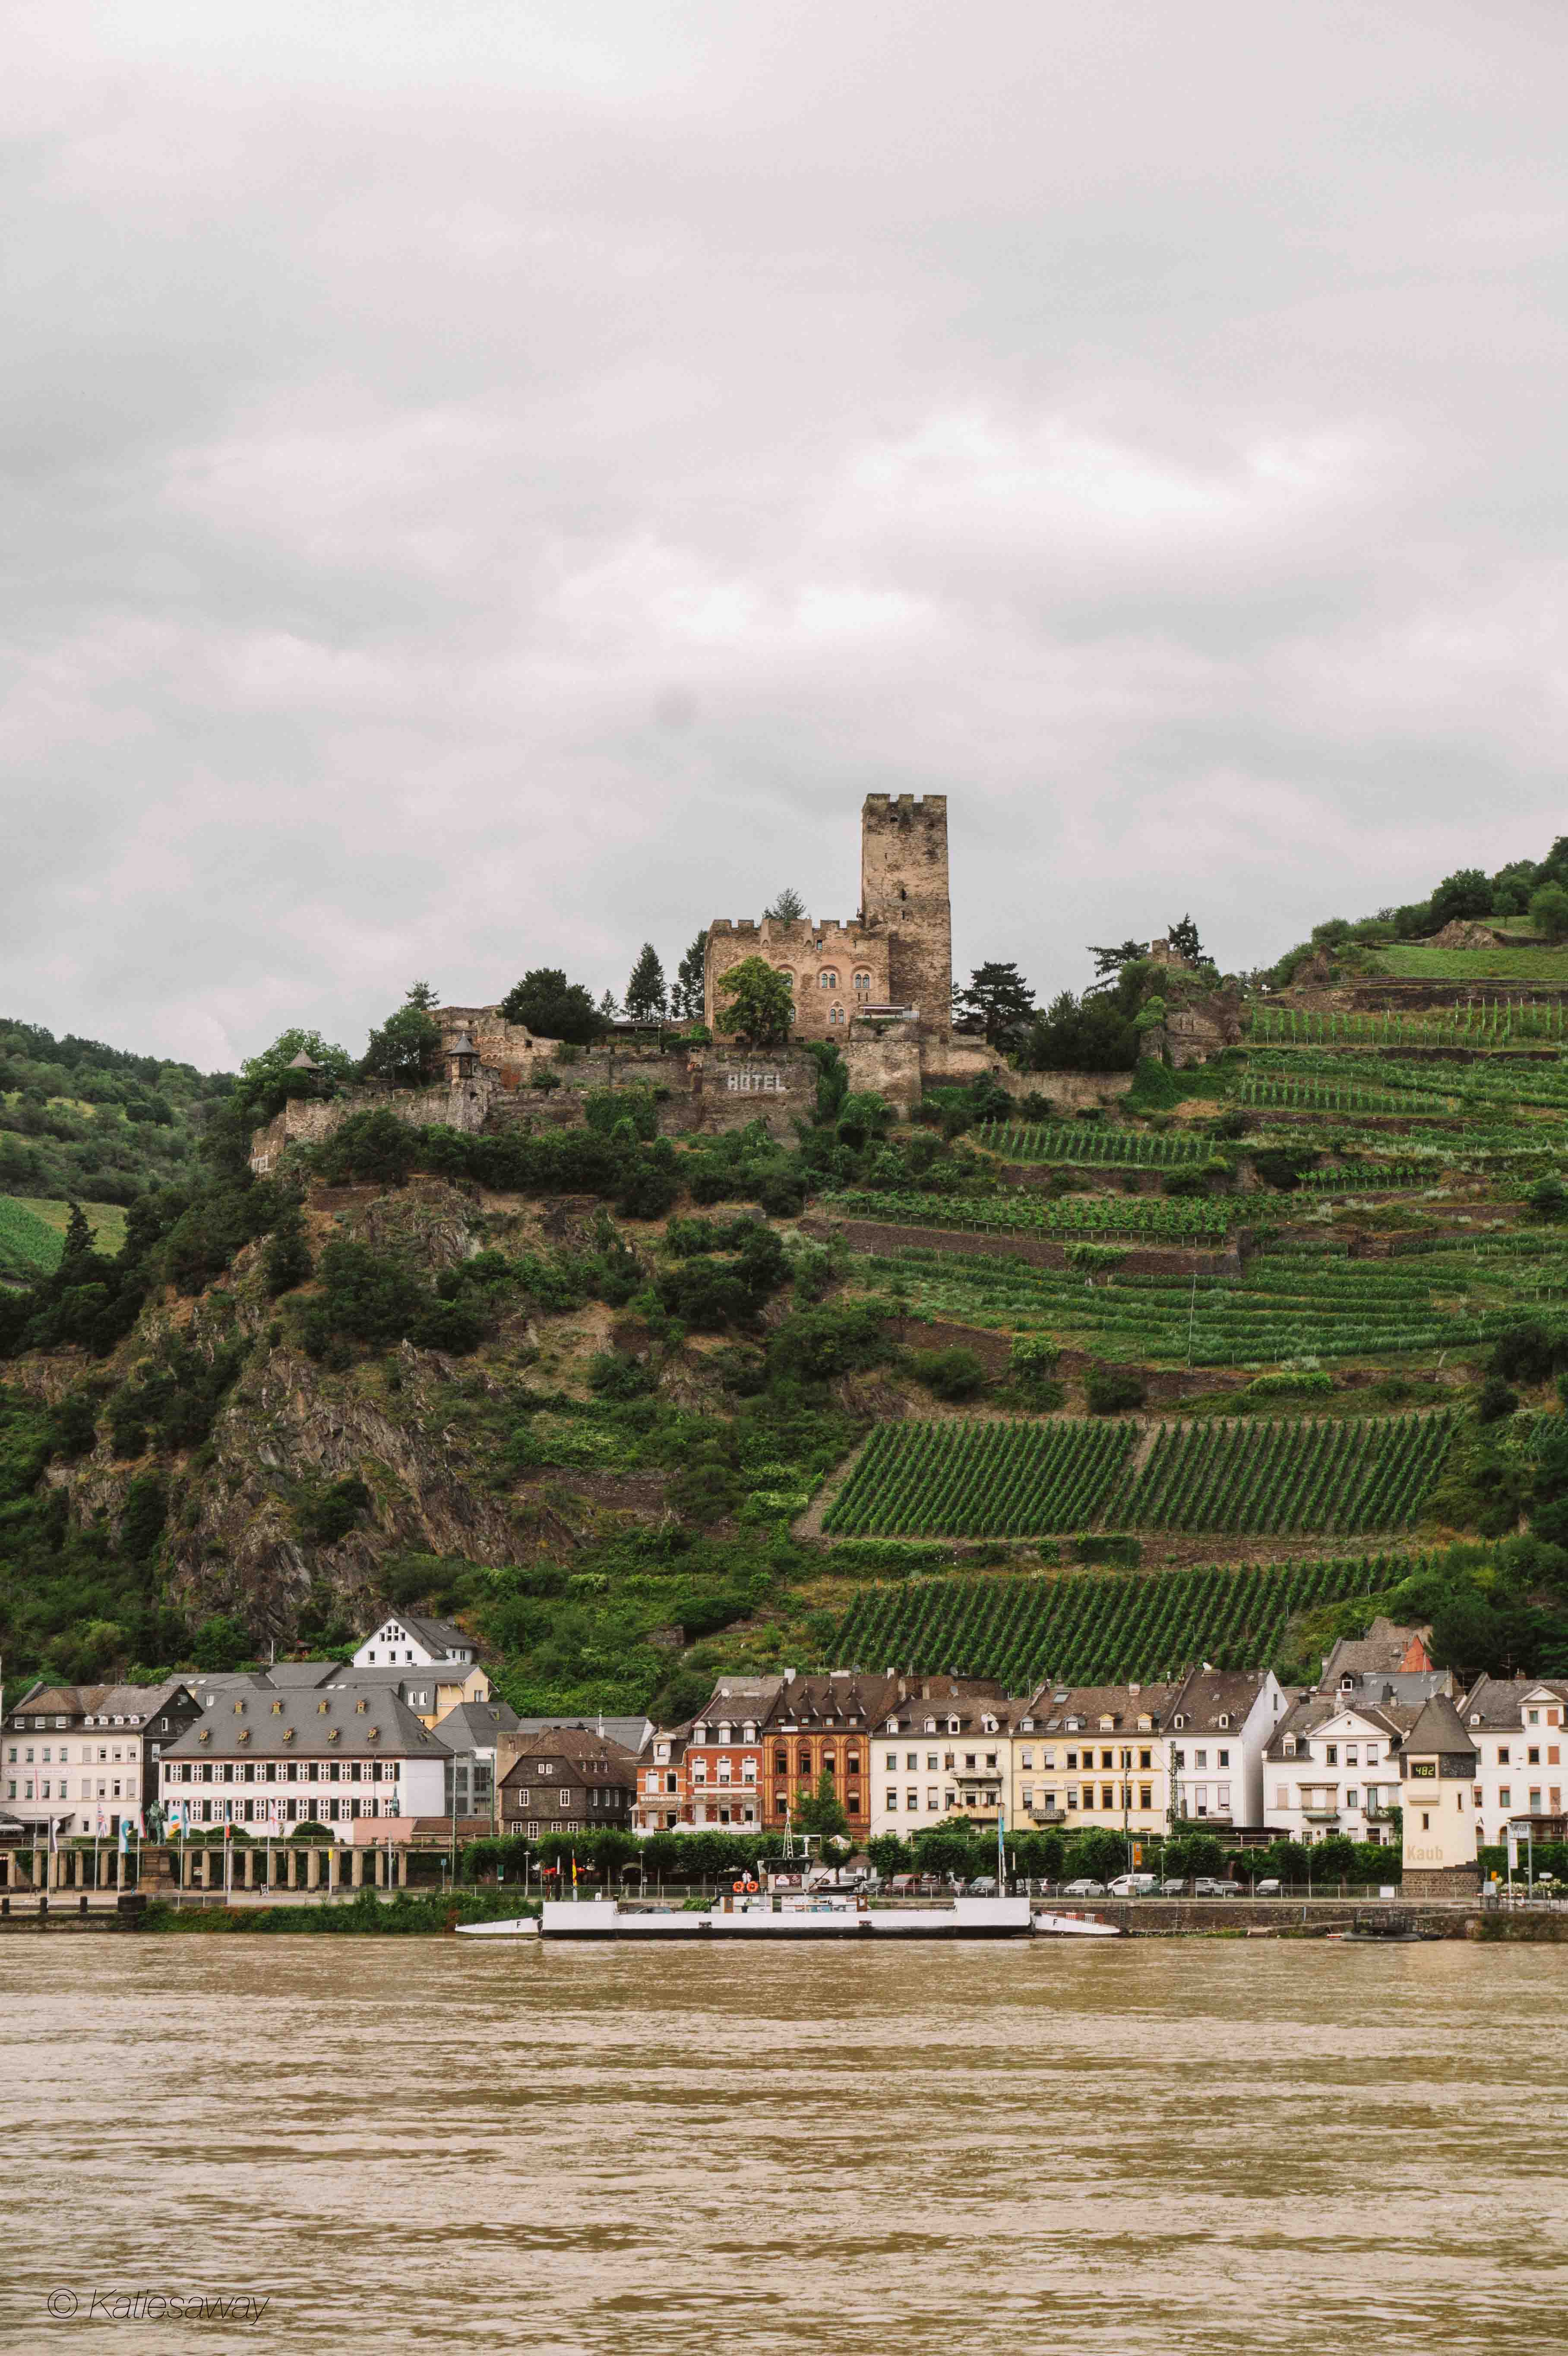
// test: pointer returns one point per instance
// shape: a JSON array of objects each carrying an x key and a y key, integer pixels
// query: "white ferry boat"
[{"x": 751, "y": 1913}]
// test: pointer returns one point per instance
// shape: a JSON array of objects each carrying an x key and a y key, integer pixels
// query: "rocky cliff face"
[{"x": 409, "y": 1425}]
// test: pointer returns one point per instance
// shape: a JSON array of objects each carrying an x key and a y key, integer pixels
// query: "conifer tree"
[
  {"x": 78, "y": 1236},
  {"x": 646, "y": 995}
]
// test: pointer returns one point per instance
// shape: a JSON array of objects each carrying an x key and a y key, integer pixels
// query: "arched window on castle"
[
  {"x": 828, "y": 978},
  {"x": 785, "y": 973},
  {"x": 836, "y": 1015},
  {"x": 863, "y": 982}
]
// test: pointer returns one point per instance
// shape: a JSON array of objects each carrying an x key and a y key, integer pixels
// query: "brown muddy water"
[{"x": 432, "y": 2145}]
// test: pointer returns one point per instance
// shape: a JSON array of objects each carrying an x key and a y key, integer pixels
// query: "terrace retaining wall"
[{"x": 878, "y": 1236}]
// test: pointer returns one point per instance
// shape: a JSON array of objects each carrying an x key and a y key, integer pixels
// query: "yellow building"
[{"x": 1093, "y": 1757}]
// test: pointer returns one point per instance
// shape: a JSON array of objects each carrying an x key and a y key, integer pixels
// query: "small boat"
[
  {"x": 519, "y": 1926},
  {"x": 1077, "y": 1927},
  {"x": 1401, "y": 1938},
  {"x": 775, "y": 1914}
]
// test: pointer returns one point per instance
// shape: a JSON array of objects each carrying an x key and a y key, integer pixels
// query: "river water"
[{"x": 444, "y": 2145}]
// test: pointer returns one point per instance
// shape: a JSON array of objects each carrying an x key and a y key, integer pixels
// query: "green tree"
[
  {"x": 646, "y": 995},
  {"x": 268, "y": 1078},
  {"x": 822, "y": 1812},
  {"x": 77, "y": 1242},
  {"x": 1465, "y": 893},
  {"x": 1095, "y": 1853},
  {"x": 1108, "y": 962},
  {"x": 759, "y": 1007},
  {"x": 1000, "y": 994},
  {"x": 1184, "y": 940},
  {"x": 287, "y": 1261},
  {"x": 549, "y": 1006},
  {"x": 1548, "y": 911},
  {"x": 405, "y": 1052},
  {"x": 788, "y": 908},
  {"x": 685, "y": 998}
]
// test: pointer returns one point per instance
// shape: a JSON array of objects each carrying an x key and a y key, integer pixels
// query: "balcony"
[
  {"x": 1048, "y": 1816},
  {"x": 1321, "y": 1812}
]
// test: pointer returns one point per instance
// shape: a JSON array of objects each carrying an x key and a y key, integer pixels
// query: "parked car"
[
  {"x": 1207, "y": 1886},
  {"x": 1175, "y": 1887},
  {"x": 1083, "y": 1889},
  {"x": 1133, "y": 1885},
  {"x": 1269, "y": 1889},
  {"x": 985, "y": 1887}
]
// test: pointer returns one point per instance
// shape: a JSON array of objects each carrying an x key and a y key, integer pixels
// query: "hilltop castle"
[
  {"x": 892, "y": 967},
  {"x": 881, "y": 987}
]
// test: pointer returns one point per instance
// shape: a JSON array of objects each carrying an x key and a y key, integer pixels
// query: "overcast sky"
[{"x": 489, "y": 481}]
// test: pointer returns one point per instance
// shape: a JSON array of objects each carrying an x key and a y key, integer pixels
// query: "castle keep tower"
[
  {"x": 904, "y": 893},
  {"x": 898, "y": 952}
]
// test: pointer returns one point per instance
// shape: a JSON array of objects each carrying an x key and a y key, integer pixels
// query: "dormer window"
[
  {"x": 930, "y": 1726},
  {"x": 1224, "y": 1718}
]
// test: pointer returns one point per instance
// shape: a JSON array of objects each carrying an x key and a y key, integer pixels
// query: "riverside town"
[{"x": 818, "y": 1424}]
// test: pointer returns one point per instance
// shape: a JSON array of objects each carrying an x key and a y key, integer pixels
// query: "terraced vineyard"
[
  {"x": 1287, "y": 1092},
  {"x": 1087, "y": 1146},
  {"x": 1268, "y": 1479},
  {"x": 1146, "y": 1217},
  {"x": 1490, "y": 1023},
  {"x": 1370, "y": 1475},
  {"x": 980, "y": 1480},
  {"x": 1088, "y": 1629},
  {"x": 1286, "y": 1304}
]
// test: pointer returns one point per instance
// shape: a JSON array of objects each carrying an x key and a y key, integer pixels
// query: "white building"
[
  {"x": 84, "y": 1758},
  {"x": 944, "y": 1751},
  {"x": 406, "y": 1642},
  {"x": 313, "y": 1755},
  {"x": 1437, "y": 1768},
  {"x": 1517, "y": 1727},
  {"x": 1221, "y": 1721},
  {"x": 1332, "y": 1771}
]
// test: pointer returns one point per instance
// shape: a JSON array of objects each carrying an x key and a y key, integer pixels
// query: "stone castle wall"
[
  {"x": 904, "y": 891},
  {"x": 308, "y": 1120},
  {"x": 832, "y": 968},
  {"x": 898, "y": 952}
]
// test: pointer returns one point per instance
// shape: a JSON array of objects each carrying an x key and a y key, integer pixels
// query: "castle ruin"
[{"x": 892, "y": 967}]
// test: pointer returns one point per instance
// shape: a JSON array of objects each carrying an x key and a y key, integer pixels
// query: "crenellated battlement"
[{"x": 895, "y": 952}]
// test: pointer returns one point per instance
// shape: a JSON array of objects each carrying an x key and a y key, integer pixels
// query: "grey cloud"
[{"x": 491, "y": 488}]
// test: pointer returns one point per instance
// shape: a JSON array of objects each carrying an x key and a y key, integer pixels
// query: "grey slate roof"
[
  {"x": 832, "y": 1703},
  {"x": 1054, "y": 1704},
  {"x": 309, "y": 1726},
  {"x": 474, "y": 1725},
  {"x": 631, "y": 1733},
  {"x": 139, "y": 1703},
  {"x": 1498, "y": 1701},
  {"x": 1368, "y": 1687},
  {"x": 1437, "y": 1727},
  {"x": 1384, "y": 1647},
  {"x": 1206, "y": 1696},
  {"x": 435, "y": 1635},
  {"x": 1303, "y": 1718}
]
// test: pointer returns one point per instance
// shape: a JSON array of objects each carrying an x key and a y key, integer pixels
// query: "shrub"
[
  {"x": 781, "y": 1197},
  {"x": 955, "y": 1374},
  {"x": 1548, "y": 1198},
  {"x": 1110, "y": 1389},
  {"x": 649, "y": 1193},
  {"x": 1548, "y": 911},
  {"x": 1527, "y": 1353},
  {"x": 1280, "y": 1169},
  {"x": 1494, "y": 1400}
]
